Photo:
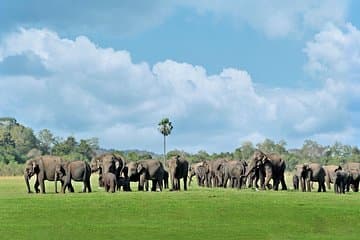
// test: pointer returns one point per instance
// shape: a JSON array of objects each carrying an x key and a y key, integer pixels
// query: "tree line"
[{"x": 19, "y": 143}]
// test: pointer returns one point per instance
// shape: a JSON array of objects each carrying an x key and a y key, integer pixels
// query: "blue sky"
[{"x": 223, "y": 71}]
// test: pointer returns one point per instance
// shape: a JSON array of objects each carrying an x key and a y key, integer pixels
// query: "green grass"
[{"x": 196, "y": 214}]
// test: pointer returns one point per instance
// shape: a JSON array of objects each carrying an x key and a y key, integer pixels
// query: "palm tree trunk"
[{"x": 164, "y": 149}]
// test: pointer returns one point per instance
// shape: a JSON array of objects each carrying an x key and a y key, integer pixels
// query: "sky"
[{"x": 224, "y": 72}]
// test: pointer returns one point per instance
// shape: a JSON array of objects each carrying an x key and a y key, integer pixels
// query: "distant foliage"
[{"x": 18, "y": 143}]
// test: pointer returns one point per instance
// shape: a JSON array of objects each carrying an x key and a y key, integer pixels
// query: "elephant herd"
[
  {"x": 341, "y": 176},
  {"x": 114, "y": 173},
  {"x": 261, "y": 171},
  {"x": 222, "y": 173}
]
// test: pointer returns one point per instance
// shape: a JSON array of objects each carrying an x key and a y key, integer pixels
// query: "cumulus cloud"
[
  {"x": 335, "y": 52},
  {"x": 93, "y": 91}
]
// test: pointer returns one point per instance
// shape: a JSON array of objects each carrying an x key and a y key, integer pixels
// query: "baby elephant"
[
  {"x": 296, "y": 182},
  {"x": 340, "y": 180},
  {"x": 109, "y": 182}
]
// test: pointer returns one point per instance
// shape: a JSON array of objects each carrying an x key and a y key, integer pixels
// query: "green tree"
[
  {"x": 46, "y": 141},
  {"x": 85, "y": 150},
  {"x": 165, "y": 127}
]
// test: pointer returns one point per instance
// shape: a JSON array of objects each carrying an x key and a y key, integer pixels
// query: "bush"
[{"x": 11, "y": 169}]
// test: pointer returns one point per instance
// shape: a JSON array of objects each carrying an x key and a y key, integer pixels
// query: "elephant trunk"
[{"x": 27, "y": 178}]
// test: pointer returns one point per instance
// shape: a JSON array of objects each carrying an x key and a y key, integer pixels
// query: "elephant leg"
[
  {"x": 185, "y": 180},
  {"x": 36, "y": 185},
  {"x": 153, "y": 187},
  {"x": 42, "y": 185},
  {"x": 283, "y": 183},
  {"x": 308, "y": 185},
  {"x": 267, "y": 182},
  {"x": 70, "y": 187},
  {"x": 276, "y": 183},
  {"x": 327, "y": 180}
]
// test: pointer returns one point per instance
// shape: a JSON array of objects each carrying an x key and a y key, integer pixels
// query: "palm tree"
[{"x": 165, "y": 128}]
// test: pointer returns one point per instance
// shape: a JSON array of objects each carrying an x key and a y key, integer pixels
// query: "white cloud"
[
  {"x": 277, "y": 18},
  {"x": 335, "y": 52},
  {"x": 94, "y": 91}
]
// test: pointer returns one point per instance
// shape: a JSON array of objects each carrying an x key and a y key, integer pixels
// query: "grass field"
[{"x": 196, "y": 214}]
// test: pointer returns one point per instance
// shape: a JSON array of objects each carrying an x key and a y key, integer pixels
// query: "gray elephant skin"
[
  {"x": 311, "y": 172},
  {"x": 233, "y": 171},
  {"x": 78, "y": 171},
  {"x": 330, "y": 174},
  {"x": 44, "y": 169},
  {"x": 108, "y": 162},
  {"x": 178, "y": 169},
  {"x": 270, "y": 166},
  {"x": 353, "y": 168},
  {"x": 109, "y": 182},
  {"x": 148, "y": 170},
  {"x": 341, "y": 179},
  {"x": 199, "y": 171}
]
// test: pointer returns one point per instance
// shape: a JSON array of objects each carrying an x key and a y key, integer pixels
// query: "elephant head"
[
  {"x": 141, "y": 167},
  {"x": 31, "y": 168},
  {"x": 257, "y": 160},
  {"x": 132, "y": 168},
  {"x": 95, "y": 165},
  {"x": 60, "y": 171}
]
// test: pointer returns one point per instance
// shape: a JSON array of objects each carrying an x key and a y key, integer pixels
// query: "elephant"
[
  {"x": 150, "y": 170},
  {"x": 341, "y": 180},
  {"x": 178, "y": 169},
  {"x": 234, "y": 170},
  {"x": 109, "y": 179},
  {"x": 145, "y": 170},
  {"x": 330, "y": 174},
  {"x": 123, "y": 183},
  {"x": 311, "y": 172},
  {"x": 77, "y": 171},
  {"x": 270, "y": 166},
  {"x": 198, "y": 170},
  {"x": 353, "y": 168},
  {"x": 253, "y": 178},
  {"x": 44, "y": 168},
  {"x": 108, "y": 162},
  {"x": 296, "y": 182},
  {"x": 215, "y": 172}
]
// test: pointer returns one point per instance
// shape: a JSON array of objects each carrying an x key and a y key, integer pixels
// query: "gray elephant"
[
  {"x": 311, "y": 172},
  {"x": 198, "y": 170},
  {"x": 296, "y": 182},
  {"x": 78, "y": 171},
  {"x": 134, "y": 176},
  {"x": 353, "y": 168},
  {"x": 109, "y": 182},
  {"x": 234, "y": 170},
  {"x": 108, "y": 162},
  {"x": 178, "y": 169},
  {"x": 253, "y": 178},
  {"x": 146, "y": 170},
  {"x": 340, "y": 180},
  {"x": 270, "y": 166},
  {"x": 330, "y": 174},
  {"x": 150, "y": 170},
  {"x": 215, "y": 172},
  {"x": 44, "y": 169}
]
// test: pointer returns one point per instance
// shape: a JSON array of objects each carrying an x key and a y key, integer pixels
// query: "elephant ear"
[
  {"x": 140, "y": 167},
  {"x": 35, "y": 167}
]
